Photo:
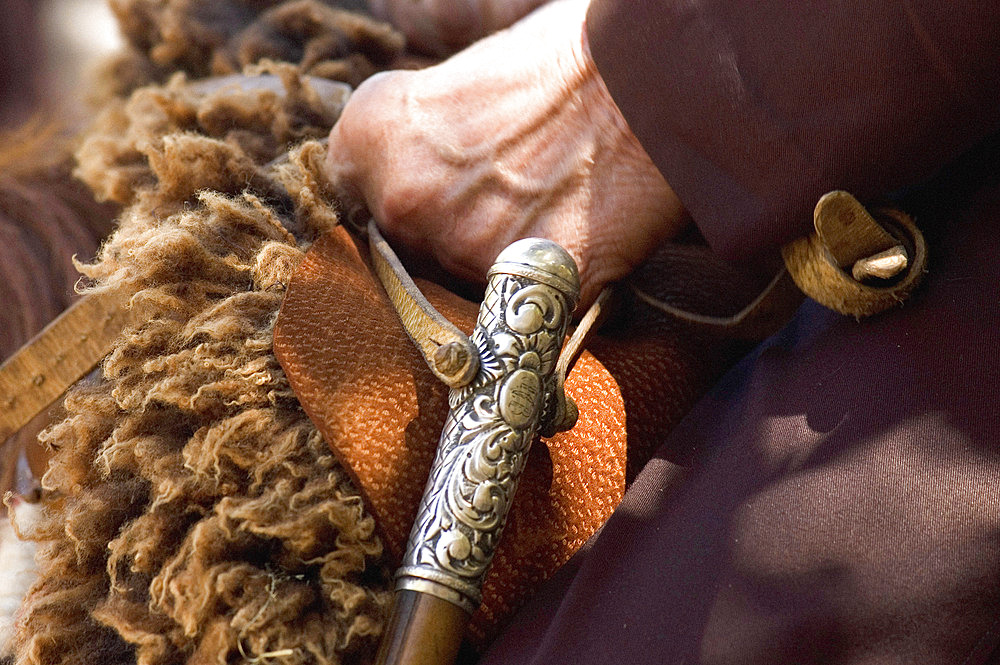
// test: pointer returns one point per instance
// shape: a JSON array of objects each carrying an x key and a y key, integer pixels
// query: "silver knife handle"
[{"x": 532, "y": 289}]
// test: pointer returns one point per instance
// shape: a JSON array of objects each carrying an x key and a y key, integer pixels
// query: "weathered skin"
[{"x": 458, "y": 160}]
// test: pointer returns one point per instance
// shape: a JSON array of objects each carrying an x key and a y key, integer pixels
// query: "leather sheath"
[{"x": 364, "y": 385}]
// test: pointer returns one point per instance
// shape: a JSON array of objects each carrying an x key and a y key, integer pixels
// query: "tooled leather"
[{"x": 364, "y": 385}]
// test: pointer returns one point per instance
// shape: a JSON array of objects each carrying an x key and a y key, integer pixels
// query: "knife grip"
[{"x": 531, "y": 292}]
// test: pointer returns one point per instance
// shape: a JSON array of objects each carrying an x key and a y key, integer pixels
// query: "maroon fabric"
[
  {"x": 20, "y": 68},
  {"x": 752, "y": 110},
  {"x": 836, "y": 499}
]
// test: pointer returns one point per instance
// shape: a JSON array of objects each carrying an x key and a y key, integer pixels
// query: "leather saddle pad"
[{"x": 363, "y": 384}]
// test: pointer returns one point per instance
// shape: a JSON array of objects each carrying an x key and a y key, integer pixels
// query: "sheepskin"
[
  {"x": 225, "y": 36},
  {"x": 17, "y": 566},
  {"x": 191, "y": 512}
]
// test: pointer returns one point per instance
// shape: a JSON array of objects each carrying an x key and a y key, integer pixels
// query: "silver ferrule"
[{"x": 530, "y": 296}]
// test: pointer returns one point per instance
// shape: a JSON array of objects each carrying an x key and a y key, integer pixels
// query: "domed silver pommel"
[{"x": 540, "y": 260}]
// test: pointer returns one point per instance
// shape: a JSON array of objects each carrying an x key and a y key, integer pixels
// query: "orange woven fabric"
[
  {"x": 364, "y": 385},
  {"x": 362, "y": 382}
]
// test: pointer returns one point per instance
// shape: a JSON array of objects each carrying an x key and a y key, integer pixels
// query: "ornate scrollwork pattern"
[{"x": 485, "y": 442}]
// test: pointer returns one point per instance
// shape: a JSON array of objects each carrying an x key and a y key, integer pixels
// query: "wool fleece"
[{"x": 191, "y": 512}]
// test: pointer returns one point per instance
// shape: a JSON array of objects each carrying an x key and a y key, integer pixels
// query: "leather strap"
[
  {"x": 566, "y": 412},
  {"x": 59, "y": 356},
  {"x": 760, "y": 318},
  {"x": 849, "y": 237},
  {"x": 448, "y": 352}
]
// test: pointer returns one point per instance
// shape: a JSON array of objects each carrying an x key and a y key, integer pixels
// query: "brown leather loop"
[{"x": 819, "y": 276}]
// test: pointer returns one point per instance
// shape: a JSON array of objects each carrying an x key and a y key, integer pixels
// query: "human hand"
[
  {"x": 441, "y": 27},
  {"x": 514, "y": 137}
]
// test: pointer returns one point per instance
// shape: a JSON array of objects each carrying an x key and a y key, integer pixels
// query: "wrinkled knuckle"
[
  {"x": 368, "y": 105},
  {"x": 401, "y": 200},
  {"x": 377, "y": 86},
  {"x": 368, "y": 119}
]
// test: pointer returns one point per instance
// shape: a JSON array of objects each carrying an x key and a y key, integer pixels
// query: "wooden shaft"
[{"x": 422, "y": 630}]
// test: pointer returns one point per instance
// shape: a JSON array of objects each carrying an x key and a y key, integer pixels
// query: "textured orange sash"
[{"x": 364, "y": 385}]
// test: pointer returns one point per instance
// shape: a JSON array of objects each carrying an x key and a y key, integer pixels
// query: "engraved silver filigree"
[{"x": 491, "y": 424}]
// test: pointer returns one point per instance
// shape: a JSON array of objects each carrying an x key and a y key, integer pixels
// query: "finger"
[
  {"x": 345, "y": 174},
  {"x": 354, "y": 153}
]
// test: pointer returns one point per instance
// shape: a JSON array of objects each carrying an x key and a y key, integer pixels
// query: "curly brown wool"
[
  {"x": 144, "y": 150},
  {"x": 325, "y": 39},
  {"x": 193, "y": 513}
]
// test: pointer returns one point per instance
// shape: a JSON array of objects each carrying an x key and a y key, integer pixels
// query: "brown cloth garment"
[
  {"x": 753, "y": 110},
  {"x": 842, "y": 502}
]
